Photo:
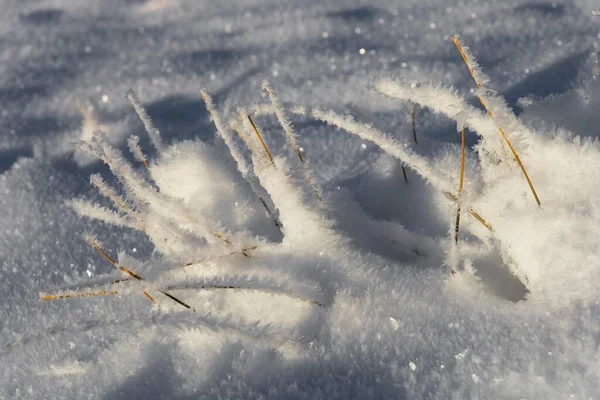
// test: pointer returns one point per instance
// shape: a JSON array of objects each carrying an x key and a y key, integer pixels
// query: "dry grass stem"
[
  {"x": 114, "y": 263},
  {"x": 478, "y": 217},
  {"x": 236, "y": 128},
  {"x": 260, "y": 139},
  {"x": 77, "y": 295},
  {"x": 413, "y": 110},
  {"x": 491, "y": 114},
  {"x": 83, "y": 294},
  {"x": 460, "y": 184}
]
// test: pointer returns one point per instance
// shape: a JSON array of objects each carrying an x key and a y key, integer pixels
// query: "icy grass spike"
[
  {"x": 153, "y": 132},
  {"x": 282, "y": 118},
  {"x": 237, "y": 129},
  {"x": 460, "y": 183},
  {"x": 290, "y": 134},
  {"x": 480, "y": 79},
  {"x": 110, "y": 193},
  {"x": 225, "y": 133},
  {"x": 95, "y": 211},
  {"x": 134, "y": 147}
]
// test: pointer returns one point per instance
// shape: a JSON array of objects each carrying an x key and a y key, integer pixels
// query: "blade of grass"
[
  {"x": 135, "y": 276},
  {"x": 262, "y": 142},
  {"x": 134, "y": 147},
  {"x": 413, "y": 118},
  {"x": 76, "y": 295},
  {"x": 290, "y": 134},
  {"x": 471, "y": 211},
  {"x": 473, "y": 73},
  {"x": 113, "y": 262}
]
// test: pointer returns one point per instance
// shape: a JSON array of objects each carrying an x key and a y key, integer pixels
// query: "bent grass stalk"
[{"x": 471, "y": 68}]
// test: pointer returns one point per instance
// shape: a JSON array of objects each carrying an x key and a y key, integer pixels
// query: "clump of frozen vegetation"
[
  {"x": 550, "y": 247},
  {"x": 256, "y": 231}
]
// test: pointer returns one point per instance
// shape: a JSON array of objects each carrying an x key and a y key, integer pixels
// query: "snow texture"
[{"x": 227, "y": 200}]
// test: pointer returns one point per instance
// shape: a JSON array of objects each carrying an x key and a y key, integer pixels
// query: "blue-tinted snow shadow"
[
  {"x": 490, "y": 269},
  {"x": 552, "y": 9},
  {"x": 9, "y": 157},
  {"x": 56, "y": 65},
  {"x": 268, "y": 375},
  {"x": 47, "y": 16},
  {"x": 361, "y": 13},
  {"x": 156, "y": 380},
  {"x": 554, "y": 79},
  {"x": 250, "y": 372},
  {"x": 213, "y": 59}
]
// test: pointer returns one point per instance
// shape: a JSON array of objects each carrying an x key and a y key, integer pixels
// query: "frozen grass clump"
[
  {"x": 551, "y": 247},
  {"x": 253, "y": 258},
  {"x": 197, "y": 203}
]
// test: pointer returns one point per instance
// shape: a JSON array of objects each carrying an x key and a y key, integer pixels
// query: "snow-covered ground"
[{"x": 357, "y": 289}]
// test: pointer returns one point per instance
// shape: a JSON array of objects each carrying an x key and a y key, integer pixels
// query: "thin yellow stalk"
[
  {"x": 262, "y": 142},
  {"x": 478, "y": 217},
  {"x": 113, "y": 262},
  {"x": 219, "y": 236},
  {"x": 76, "y": 295},
  {"x": 135, "y": 276},
  {"x": 139, "y": 278},
  {"x": 460, "y": 184},
  {"x": 238, "y": 130},
  {"x": 491, "y": 114},
  {"x": 244, "y": 252},
  {"x": 236, "y": 287}
]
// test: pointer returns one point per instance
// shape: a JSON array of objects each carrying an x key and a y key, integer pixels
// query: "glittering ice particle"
[{"x": 394, "y": 324}]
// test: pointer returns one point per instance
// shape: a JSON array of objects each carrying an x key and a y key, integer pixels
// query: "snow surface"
[{"x": 350, "y": 285}]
